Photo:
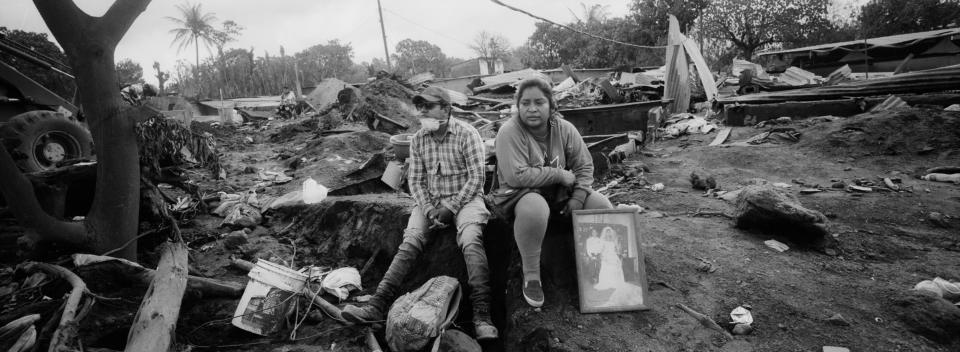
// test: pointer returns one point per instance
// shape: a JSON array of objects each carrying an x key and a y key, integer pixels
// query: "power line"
[
  {"x": 498, "y": 2},
  {"x": 428, "y": 29}
]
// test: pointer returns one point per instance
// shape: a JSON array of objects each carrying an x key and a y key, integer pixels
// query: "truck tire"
[{"x": 40, "y": 139}]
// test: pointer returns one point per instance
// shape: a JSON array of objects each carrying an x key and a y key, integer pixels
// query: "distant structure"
[
  {"x": 912, "y": 51},
  {"x": 477, "y": 66}
]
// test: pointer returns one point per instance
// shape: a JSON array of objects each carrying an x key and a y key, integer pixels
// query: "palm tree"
[{"x": 194, "y": 27}]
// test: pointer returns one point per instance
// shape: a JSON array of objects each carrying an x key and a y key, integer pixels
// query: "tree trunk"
[
  {"x": 154, "y": 326},
  {"x": 89, "y": 43}
]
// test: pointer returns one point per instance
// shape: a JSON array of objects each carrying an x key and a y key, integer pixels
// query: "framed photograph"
[{"x": 610, "y": 271}]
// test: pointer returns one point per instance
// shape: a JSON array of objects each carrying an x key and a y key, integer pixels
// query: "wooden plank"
[
  {"x": 706, "y": 77},
  {"x": 721, "y": 137}
]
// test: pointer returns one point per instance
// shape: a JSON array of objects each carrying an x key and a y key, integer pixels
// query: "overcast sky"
[{"x": 299, "y": 24}]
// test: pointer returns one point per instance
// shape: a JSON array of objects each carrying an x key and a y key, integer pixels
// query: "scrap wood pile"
[
  {"x": 933, "y": 80},
  {"x": 383, "y": 104},
  {"x": 572, "y": 92}
]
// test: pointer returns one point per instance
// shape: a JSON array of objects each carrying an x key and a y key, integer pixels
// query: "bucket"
[
  {"x": 401, "y": 145},
  {"x": 263, "y": 306}
]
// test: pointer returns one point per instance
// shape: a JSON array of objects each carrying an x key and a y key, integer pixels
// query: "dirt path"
[{"x": 885, "y": 247}]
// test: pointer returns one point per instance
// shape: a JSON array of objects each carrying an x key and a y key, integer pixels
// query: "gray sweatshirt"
[{"x": 521, "y": 162}]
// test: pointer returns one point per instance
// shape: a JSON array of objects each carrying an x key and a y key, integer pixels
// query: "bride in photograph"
[{"x": 611, "y": 267}]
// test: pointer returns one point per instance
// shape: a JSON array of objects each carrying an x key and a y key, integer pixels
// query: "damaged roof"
[{"x": 899, "y": 40}]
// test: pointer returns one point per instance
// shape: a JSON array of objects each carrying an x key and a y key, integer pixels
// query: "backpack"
[{"x": 423, "y": 315}]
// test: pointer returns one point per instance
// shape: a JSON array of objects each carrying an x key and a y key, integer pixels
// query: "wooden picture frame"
[{"x": 611, "y": 275}]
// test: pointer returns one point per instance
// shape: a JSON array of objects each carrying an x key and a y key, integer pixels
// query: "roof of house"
[{"x": 893, "y": 41}]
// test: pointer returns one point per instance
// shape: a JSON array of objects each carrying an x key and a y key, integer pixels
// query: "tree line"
[{"x": 726, "y": 29}]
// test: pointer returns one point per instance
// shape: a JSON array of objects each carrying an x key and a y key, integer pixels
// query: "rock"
[
  {"x": 838, "y": 185},
  {"x": 742, "y": 329},
  {"x": 939, "y": 219},
  {"x": 704, "y": 182},
  {"x": 838, "y": 320},
  {"x": 770, "y": 209},
  {"x": 835, "y": 349},
  {"x": 457, "y": 341},
  {"x": 926, "y": 314},
  {"x": 234, "y": 240}
]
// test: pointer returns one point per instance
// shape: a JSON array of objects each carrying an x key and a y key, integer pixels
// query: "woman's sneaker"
[{"x": 533, "y": 293}]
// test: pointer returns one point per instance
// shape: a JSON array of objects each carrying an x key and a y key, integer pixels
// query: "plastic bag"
[{"x": 313, "y": 192}]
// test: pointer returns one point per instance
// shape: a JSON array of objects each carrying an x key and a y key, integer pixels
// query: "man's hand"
[
  {"x": 568, "y": 178},
  {"x": 432, "y": 215},
  {"x": 576, "y": 201},
  {"x": 445, "y": 216}
]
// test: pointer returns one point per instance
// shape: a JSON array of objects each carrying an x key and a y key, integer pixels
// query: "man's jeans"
[{"x": 470, "y": 222}]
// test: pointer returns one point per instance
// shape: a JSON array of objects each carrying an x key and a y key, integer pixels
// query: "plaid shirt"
[{"x": 449, "y": 172}]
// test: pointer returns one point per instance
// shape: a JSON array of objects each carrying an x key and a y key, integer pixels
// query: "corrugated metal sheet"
[
  {"x": 938, "y": 79},
  {"x": 888, "y": 41}
]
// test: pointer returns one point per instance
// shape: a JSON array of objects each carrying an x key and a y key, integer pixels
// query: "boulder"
[
  {"x": 770, "y": 209},
  {"x": 926, "y": 314}
]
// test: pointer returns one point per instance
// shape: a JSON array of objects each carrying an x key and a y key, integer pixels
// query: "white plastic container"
[{"x": 263, "y": 306}]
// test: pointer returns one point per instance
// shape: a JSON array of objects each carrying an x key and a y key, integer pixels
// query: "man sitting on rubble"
[{"x": 446, "y": 180}]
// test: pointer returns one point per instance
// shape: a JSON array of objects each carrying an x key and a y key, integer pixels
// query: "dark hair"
[{"x": 542, "y": 85}]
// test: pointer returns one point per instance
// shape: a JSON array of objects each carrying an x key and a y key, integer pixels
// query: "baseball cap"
[{"x": 432, "y": 95}]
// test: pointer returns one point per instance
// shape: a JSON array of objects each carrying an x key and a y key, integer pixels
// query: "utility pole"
[{"x": 383, "y": 31}]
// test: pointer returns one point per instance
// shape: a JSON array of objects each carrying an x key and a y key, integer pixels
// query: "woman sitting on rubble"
[{"x": 543, "y": 168}]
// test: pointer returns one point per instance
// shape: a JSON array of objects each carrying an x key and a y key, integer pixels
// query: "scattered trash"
[
  {"x": 810, "y": 191},
  {"x": 263, "y": 307},
  {"x": 860, "y": 189},
  {"x": 835, "y": 349},
  {"x": 942, "y": 288},
  {"x": 838, "y": 320},
  {"x": 954, "y": 107},
  {"x": 341, "y": 281},
  {"x": 741, "y": 315},
  {"x": 630, "y": 206},
  {"x": 686, "y": 123},
  {"x": 273, "y": 177},
  {"x": 313, "y": 192},
  {"x": 656, "y": 187},
  {"x": 363, "y": 298},
  {"x": 955, "y": 178},
  {"x": 393, "y": 174},
  {"x": 781, "y": 185},
  {"x": 776, "y": 245},
  {"x": 239, "y": 210}
]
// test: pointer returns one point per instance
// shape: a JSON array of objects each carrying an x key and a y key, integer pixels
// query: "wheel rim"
[{"x": 53, "y": 147}]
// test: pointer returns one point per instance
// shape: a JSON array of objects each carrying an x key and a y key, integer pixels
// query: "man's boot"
[
  {"x": 483, "y": 325},
  {"x": 375, "y": 310},
  {"x": 370, "y": 313}
]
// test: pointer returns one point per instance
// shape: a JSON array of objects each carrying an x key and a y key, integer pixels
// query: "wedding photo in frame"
[{"x": 610, "y": 272}]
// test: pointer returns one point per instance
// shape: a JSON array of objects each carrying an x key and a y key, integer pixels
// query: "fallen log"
[
  {"x": 65, "y": 338},
  {"x": 206, "y": 286},
  {"x": 156, "y": 322},
  {"x": 26, "y": 341},
  {"x": 12, "y": 330}
]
